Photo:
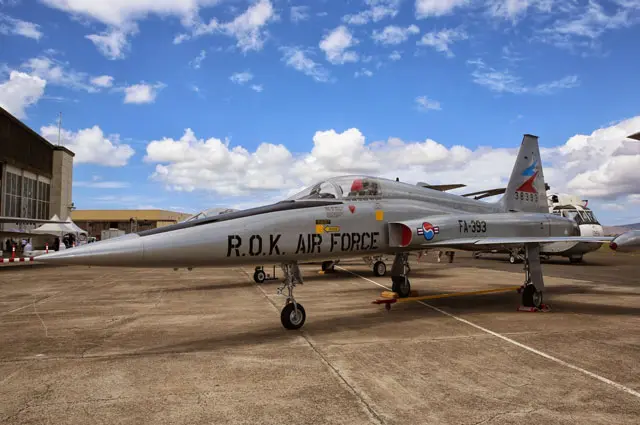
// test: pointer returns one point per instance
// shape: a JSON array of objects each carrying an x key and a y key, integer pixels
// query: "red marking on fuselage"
[
  {"x": 406, "y": 235},
  {"x": 528, "y": 185}
]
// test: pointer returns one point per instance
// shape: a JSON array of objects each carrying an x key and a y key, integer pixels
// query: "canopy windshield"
[
  {"x": 580, "y": 216},
  {"x": 210, "y": 212},
  {"x": 346, "y": 187}
]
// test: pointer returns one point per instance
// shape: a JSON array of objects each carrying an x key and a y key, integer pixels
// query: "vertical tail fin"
[{"x": 526, "y": 190}]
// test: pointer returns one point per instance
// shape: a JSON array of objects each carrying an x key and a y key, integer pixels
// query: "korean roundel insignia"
[{"x": 428, "y": 230}]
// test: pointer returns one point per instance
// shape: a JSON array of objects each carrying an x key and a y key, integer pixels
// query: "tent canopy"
[
  {"x": 75, "y": 227},
  {"x": 54, "y": 228}
]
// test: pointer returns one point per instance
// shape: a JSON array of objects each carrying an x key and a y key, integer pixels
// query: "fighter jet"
[{"x": 352, "y": 216}]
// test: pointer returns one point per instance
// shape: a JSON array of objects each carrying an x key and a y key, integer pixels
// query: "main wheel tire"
[
  {"x": 401, "y": 286},
  {"x": 512, "y": 259},
  {"x": 531, "y": 297},
  {"x": 328, "y": 266},
  {"x": 290, "y": 318},
  {"x": 379, "y": 268},
  {"x": 575, "y": 259},
  {"x": 259, "y": 276}
]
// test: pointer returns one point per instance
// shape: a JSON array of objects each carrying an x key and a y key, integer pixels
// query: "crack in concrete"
[{"x": 374, "y": 416}]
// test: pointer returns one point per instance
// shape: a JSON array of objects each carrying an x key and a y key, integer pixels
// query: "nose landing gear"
[{"x": 293, "y": 314}]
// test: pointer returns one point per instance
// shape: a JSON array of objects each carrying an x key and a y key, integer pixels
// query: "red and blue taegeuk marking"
[{"x": 428, "y": 230}]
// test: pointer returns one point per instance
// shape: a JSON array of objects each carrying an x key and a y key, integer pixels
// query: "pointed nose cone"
[{"x": 123, "y": 251}]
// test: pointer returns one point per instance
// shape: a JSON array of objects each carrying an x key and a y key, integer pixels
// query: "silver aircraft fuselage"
[{"x": 307, "y": 229}]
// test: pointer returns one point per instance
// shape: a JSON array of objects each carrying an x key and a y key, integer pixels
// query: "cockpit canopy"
[
  {"x": 347, "y": 187},
  {"x": 578, "y": 214},
  {"x": 209, "y": 213}
]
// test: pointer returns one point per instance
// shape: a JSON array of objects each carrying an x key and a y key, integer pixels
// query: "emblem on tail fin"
[{"x": 532, "y": 171}]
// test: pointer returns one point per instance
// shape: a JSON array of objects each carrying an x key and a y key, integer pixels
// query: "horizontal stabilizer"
[
  {"x": 486, "y": 193},
  {"x": 441, "y": 187}
]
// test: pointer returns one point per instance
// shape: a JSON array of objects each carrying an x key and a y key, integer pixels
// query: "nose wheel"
[{"x": 292, "y": 315}]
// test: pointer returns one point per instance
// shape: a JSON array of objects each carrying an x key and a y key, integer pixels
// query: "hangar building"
[
  {"x": 95, "y": 221},
  {"x": 35, "y": 175}
]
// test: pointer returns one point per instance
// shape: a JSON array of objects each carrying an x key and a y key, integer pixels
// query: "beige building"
[
  {"x": 36, "y": 176},
  {"x": 95, "y": 221}
]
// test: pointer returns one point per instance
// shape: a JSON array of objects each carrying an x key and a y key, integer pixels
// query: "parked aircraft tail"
[{"x": 526, "y": 189}]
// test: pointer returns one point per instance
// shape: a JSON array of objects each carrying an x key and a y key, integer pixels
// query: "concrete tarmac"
[{"x": 124, "y": 346}]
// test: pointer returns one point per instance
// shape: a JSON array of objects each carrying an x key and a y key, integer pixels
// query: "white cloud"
[
  {"x": 197, "y": 61},
  {"x": 58, "y": 73},
  {"x": 377, "y": 10},
  {"x": 335, "y": 45},
  {"x": 212, "y": 165},
  {"x": 426, "y": 104},
  {"x": 592, "y": 22},
  {"x": 364, "y": 72},
  {"x": 247, "y": 28},
  {"x": 91, "y": 146},
  {"x": 13, "y": 26},
  {"x": 113, "y": 43},
  {"x": 21, "y": 91},
  {"x": 105, "y": 81},
  {"x": 299, "y": 13},
  {"x": 513, "y": 9},
  {"x": 241, "y": 77},
  {"x": 118, "y": 13},
  {"x": 441, "y": 40},
  {"x": 121, "y": 17},
  {"x": 612, "y": 207},
  {"x": 428, "y": 8},
  {"x": 257, "y": 87},
  {"x": 505, "y": 82},
  {"x": 585, "y": 165},
  {"x": 584, "y": 23},
  {"x": 298, "y": 59},
  {"x": 395, "y": 56},
  {"x": 102, "y": 184},
  {"x": 142, "y": 93},
  {"x": 394, "y": 35},
  {"x": 597, "y": 166}
]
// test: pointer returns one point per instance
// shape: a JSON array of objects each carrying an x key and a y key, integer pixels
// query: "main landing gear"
[
  {"x": 292, "y": 315},
  {"x": 516, "y": 256},
  {"x": 259, "y": 275},
  {"x": 329, "y": 266},
  {"x": 377, "y": 264},
  {"x": 399, "y": 275},
  {"x": 533, "y": 281}
]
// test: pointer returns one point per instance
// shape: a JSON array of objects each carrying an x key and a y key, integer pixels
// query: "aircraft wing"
[{"x": 520, "y": 240}]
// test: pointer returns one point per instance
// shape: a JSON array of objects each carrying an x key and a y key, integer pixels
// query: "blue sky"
[{"x": 278, "y": 94}]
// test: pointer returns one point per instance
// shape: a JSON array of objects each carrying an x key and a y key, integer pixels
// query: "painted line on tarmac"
[{"x": 516, "y": 343}]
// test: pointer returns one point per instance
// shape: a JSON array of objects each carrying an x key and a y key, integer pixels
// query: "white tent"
[
  {"x": 57, "y": 229},
  {"x": 75, "y": 228}
]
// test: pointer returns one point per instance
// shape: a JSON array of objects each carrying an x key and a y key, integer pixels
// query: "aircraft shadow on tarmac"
[
  {"x": 244, "y": 281},
  {"x": 369, "y": 318}
]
